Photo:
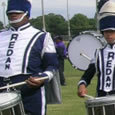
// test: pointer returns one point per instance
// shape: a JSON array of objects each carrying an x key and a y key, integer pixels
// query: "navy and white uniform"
[
  {"x": 28, "y": 50},
  {"x": 104, "y": 64}
]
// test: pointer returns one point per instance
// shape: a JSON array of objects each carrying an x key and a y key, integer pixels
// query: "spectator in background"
[{"x": 61, "y": 54}]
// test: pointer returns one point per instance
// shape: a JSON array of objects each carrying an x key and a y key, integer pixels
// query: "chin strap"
[{"x": 18, "y": 20}]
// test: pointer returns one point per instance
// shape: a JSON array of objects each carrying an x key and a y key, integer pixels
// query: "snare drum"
[
  {"x": 11, "y": 104},
  {"x": 82, "y": 48},
  {"x": 101, "y": 106}
]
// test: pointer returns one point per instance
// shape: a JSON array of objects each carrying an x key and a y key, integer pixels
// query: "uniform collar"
[
  {"x": 21, "y": 27},
  {"x": 112, "y": 46}
]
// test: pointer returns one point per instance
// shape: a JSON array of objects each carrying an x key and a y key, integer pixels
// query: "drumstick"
[
  {"x": 22, "y": 83},
  {"x": 84, "y": 55},
  {"x": 88, "y": 96}
]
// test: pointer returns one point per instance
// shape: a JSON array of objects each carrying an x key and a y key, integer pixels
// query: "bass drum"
[{"x": 82, "y": 48}]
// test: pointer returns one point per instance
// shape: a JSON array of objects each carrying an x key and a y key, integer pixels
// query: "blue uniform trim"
[
  {"x": 34, "y": 65},
  {"x": 50, "y": 62},
  {"x": 25, "y": 28},
  {"x": 114, "y": 79},
  {"x": 103, "y": 65},
  {"x": 107, "y": 23},
  {"x": 25, "y": 55}
]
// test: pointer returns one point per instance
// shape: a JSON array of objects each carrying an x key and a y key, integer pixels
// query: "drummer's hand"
[
  {"x": 82, "y": 90},
  {"x": 33, "y": 83}
]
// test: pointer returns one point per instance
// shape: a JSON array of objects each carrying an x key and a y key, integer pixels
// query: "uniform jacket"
[{"x": 104, "y": 64}]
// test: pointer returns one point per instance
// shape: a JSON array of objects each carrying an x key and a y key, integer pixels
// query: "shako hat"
[
  {"x": 19, "y": 6},
  {"x": 107, "y": 16}
]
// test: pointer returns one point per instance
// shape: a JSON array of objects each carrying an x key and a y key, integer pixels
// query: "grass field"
[{"x": 71, "y": 103}]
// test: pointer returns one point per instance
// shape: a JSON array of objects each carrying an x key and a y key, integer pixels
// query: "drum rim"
[
  {"x": 75, "y": 67},
  {"x": 100, "y": 101},
  {"x": 13, "y": 102},
  {"x": 99, "y": 104}
]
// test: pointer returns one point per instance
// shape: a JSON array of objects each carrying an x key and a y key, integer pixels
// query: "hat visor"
[
  {"x": 15, "y": 11},
  {"x": 108, "y": 29}
]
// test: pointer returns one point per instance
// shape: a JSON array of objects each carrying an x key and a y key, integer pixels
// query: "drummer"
[
  {"x": 25, "y": 50},
  {"x": 104, "y": 60}
]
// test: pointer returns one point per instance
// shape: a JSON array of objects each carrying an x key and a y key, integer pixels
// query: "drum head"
[
  {"x": 81, "y": 49},
  {"x": 9, "y": 99}
]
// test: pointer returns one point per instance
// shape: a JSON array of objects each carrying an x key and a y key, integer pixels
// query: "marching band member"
[
  {"x": 25, "y": 50},
  {"x": 61, "y": 54},
  {"x": 104, "y": 59}
]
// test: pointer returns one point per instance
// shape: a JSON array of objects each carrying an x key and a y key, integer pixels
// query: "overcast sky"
[{"x": 86, "y": 7}]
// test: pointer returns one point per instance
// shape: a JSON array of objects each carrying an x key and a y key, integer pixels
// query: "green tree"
[
  {"x": 92, "y": 23},
  {"x": 55, "y": 24},
  {"x": 37, "y": 22},
  {"x": 80, "y": 22}
]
